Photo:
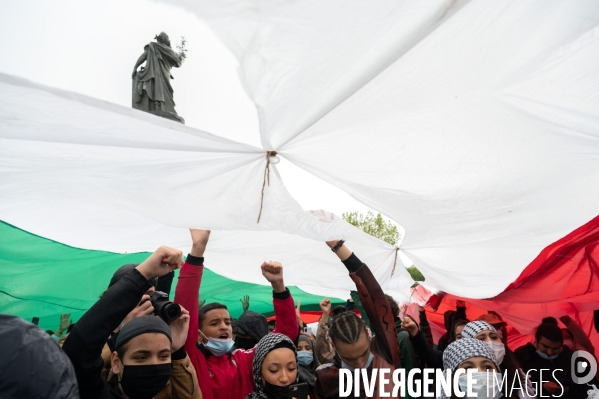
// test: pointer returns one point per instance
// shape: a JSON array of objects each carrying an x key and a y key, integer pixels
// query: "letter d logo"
[{"x": 588, "y": 366}]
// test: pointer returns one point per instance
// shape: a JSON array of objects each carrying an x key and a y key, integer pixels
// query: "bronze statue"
[{"x": 152, "y": 90}]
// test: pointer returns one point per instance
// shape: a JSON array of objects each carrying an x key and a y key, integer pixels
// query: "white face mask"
[
  {"x": 480, "y": 386},
  {"x": 499, "y": 349}
]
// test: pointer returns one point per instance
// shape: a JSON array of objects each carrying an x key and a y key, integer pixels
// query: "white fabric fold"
[
  {"x": 480, "y": 137},
  {"x": 95, "y": 175}
]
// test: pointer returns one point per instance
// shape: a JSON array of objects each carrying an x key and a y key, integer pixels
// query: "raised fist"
[
  {"x": 410, "y": 326},
  {"x": 325, "y": 305},
  {"x": 164, "y": 260},
  {"x": 273, "y": 272}
]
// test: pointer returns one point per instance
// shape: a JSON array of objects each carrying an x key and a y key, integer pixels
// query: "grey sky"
[{"x": 91, "y": 48}]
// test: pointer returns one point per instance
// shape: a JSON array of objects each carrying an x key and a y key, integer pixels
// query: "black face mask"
[
  {"x": 244, "y": 343},
  {"x": 145, "y": 381},
  {"x": 275, "y": 391}
]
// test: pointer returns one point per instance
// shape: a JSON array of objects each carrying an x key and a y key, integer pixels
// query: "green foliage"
[
  {"x": 374, "y": 225},
  {"x": 415, "y": 273}
]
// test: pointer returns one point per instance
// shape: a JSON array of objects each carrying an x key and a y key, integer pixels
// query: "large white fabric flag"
[
  {"x": 100, "y": 176},
  {"x": 473, "y": 124}
]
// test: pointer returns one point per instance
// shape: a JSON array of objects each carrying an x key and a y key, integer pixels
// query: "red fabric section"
[{"x": 562, "y": 280}]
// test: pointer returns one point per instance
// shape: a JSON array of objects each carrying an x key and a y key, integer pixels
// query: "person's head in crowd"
[
  {"x": 339, "y": 309},
  {"x": 305, "y": 352},
  {"x": 31, "y": 364},
  {"x": 496, "y": 321},
  {"x": 350, "y": 338},
  {"x": 458, "y": 327},
  {"x": 216, "y": 332},
  {"x": 550, "y": 319},
  {"x": 485, "y": 332},
  {"x": 569, "y": 340},
  {"x": 251, "y": 327},
  {"x": 394, "y": 306},
  {"x": 274, "y": 367},
  {"x": 142, "y": 357},
  {"x": 470, "y": 353},
  {"x": 549, "y": 340},
  {"x": 234, "y": 328}
]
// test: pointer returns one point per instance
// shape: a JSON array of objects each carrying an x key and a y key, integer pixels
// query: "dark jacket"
[
  {"x": 87, "y": 339},
  {"x": 433, "y": 358},
  {"x": 530, "y": 361},
  {"x": 383, "y": 345},
  {"x": 450, "y": 317}
]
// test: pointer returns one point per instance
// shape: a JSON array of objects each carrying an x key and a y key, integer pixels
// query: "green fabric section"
[{"x": 43, "y": 278}]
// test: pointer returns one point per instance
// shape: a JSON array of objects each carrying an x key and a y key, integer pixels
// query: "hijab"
[{"x": 267, "y": 344}]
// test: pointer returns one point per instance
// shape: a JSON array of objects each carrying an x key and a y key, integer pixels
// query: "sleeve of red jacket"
[
  {"x": 285, "y": 313},
  {"x": 187, "y": 294}
]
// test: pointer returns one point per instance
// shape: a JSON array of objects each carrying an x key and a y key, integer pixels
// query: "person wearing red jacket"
[{"x": 222, "y": 372}]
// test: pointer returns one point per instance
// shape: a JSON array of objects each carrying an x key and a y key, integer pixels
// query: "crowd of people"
[{"x": 134, "y": 343}]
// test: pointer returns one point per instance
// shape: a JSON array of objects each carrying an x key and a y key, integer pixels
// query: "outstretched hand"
[
  {"x": 273, "y": 272},
  {"x": 65, "y": 321},
  {"x": 164, "y": 260},
  {"x": 245, "y": 303}
]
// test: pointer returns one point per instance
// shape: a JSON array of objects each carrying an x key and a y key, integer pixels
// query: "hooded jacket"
[
  {"x": 252, "y": 323},
  {"x": 266, "y": 344},
  {"x": 228, "y": 376},
  {"x": 32, "y": 365}
]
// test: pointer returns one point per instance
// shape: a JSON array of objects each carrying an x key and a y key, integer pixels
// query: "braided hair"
[{"x": 347, "y": 328}]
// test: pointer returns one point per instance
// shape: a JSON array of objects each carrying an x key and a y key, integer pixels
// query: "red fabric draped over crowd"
[{"x": 562, "y": 280}]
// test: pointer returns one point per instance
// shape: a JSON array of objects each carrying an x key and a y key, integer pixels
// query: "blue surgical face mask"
[
  {"x": 305, "y": 358},
  {"x": 350, "y": 368},
  {"x": 218, "y": 346},
  {"x": 546, "y": 356}
]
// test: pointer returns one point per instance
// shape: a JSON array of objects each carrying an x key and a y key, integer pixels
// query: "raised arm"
[
  {"x": 323, "y": 349},
  {"x": 187, "y": 292},
  {"x": 430, "y": 356},
  {"x": 373, "y": 300},
  {"x": 86, "y": 340},
  {"x": 282, "y": 300}
]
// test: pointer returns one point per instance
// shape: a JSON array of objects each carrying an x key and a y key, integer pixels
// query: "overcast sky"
[{"x": 91, "y": 48}]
